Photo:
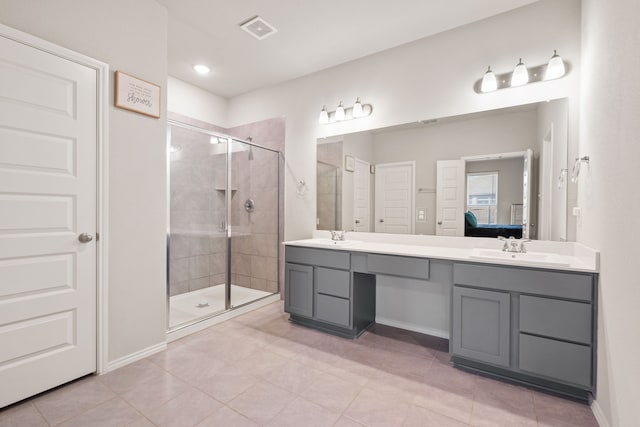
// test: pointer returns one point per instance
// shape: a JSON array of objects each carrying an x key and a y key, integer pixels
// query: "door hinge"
[{"x": 97, "y": 236}]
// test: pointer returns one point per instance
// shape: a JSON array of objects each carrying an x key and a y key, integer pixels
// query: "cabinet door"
[
  {"x": 481, "y": 325},
  {"x": 298, "y": 297}
]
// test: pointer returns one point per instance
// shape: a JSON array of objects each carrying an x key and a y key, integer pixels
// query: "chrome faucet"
[
  {"x": 513, "y": 245},
  {"x": 338, "y": 235}
]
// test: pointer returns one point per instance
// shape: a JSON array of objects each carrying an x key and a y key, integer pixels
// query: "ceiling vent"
[{"x": 258, "y": 28}]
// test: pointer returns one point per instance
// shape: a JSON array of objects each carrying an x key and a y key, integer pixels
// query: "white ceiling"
[{"x": 312, "y": 35}]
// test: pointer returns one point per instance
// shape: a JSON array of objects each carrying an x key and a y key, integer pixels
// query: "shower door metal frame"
[{"x": 172, "y": 122}]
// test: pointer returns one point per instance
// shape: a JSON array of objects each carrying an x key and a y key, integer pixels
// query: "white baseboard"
[
  {"x": 412, "y": 327},
  {"x": 599, "y": 414},
  {"x": 190, "y": 329},
  {"x": 134, "y": 357}
]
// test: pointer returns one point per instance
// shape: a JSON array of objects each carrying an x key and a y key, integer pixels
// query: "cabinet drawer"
[
  {"x": 540, "y": 282},
  {"x": 555, "y": 359},
  {"x": 318, "y": 257},
  {"x": 332, "y": 310},
  {"x": 333, "y": 282},
  {"x": 554, "y": 318},
  {"x": 417, "y": 268}
]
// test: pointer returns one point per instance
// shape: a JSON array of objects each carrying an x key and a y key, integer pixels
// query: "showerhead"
[{"x": 250, "y": 148}]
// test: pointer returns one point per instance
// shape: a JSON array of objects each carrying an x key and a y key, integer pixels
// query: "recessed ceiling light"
[{"x": 202, "y": 69}]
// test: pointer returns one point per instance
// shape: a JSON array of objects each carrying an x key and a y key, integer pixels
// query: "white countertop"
[{"x": 565, "y": 256}]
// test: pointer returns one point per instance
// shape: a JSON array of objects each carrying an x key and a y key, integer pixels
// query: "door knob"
[
  {"x": 439, "y": 222},
  {"x": 357, "y": 221},
  {"x": 381, "y": 220},
  {"x": 85, "y": 238}
]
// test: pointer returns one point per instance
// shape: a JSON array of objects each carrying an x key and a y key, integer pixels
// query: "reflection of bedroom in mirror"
[{"x": 488, "y": 174}]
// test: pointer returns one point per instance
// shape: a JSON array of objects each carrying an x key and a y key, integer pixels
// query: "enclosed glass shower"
[{"x": 222, "y": 240}]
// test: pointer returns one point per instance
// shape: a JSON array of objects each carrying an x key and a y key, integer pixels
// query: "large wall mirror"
[{"x": 494, "y": 173}]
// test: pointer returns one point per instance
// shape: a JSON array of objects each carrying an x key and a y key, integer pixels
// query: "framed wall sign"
[
  {"x": 349, "y": 163},
  {"x": 137, "y": 95}
]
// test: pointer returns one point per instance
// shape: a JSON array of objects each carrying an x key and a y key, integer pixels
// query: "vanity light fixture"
[
  {"x": 489, "y": 82},
  {"x": 555, "y": 67},
  {"x": 343, "y": 113},
  {"x": 201, "y": 69},
  {"x": 340, "y": 114},
  {"x": 521, "y": 75}
]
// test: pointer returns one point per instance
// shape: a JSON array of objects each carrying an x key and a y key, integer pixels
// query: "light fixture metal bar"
[{"x": 536, "y": 74}]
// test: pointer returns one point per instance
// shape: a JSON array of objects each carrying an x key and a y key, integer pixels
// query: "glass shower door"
[
  {"x": 197, "y": 236},
  {"x": 254, "y": 222}
]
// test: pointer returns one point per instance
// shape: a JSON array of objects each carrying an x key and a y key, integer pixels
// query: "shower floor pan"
[{"x": 193, "y": 305}]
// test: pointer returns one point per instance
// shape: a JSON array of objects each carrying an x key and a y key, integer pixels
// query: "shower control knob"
[{"x": 85, "y": 238}]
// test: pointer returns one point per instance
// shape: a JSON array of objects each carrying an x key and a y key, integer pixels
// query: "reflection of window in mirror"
[{"x": 482, "y": 196}]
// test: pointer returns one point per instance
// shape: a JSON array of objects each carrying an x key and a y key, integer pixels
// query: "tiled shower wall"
[{"x": 197, "y": 249}]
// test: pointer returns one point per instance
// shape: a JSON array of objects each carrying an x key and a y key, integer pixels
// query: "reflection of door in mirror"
[
  {"x": 553, "y": 186},
  {"x": 361, "y": 196},
  {"x": 450, "y": 197},
  {"x": 394, "y": 197}
]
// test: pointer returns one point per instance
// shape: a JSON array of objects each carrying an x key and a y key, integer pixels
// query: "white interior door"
[
  {"x": 450, "y": 194},
  {"x": 395, "y": 197},
  {"x": 48, "y": 136},
  {"x": 361, "y": 196}
]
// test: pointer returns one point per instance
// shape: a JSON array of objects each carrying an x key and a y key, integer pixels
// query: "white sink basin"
[
  {"x": 333, "y": 243},
  {"x": 536, "y": 258}
]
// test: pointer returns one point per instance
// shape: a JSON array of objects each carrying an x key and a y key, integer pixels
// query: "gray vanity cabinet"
[
  {"x": 322, "y": 291},
  {"x": 481, "y": 325},
  {"x": 530, "y": 325}
]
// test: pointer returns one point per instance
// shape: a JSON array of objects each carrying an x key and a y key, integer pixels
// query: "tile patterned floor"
[{"x": 260, "y": 369}]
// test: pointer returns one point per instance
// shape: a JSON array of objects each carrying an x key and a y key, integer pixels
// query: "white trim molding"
[
  {"x": 102, "y": 136},
  {"x": 599, "y": 414},
  {"x": 134, "y": 357}
]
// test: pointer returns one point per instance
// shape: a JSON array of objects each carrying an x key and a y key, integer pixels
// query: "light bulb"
[
  {"x": 555, "y": 67},
  {"x": 357, "y": 109},
  {"x": 340, "y": 113},
  {"x": 520, "y": 75},
  {"x": 324, "y": 116},
  {"x": 489, "y": 81}
]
